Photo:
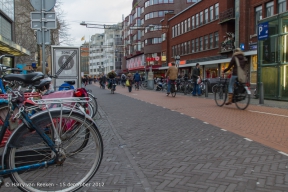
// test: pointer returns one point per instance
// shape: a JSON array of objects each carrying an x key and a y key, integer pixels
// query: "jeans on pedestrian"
[
  {"x": 231, "y": 84},
  {"x": 169, "y": 86},
  {"x": 196, "y": 88}
]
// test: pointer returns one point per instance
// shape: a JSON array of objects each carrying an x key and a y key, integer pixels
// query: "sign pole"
[{"x": 43, "y": 38}]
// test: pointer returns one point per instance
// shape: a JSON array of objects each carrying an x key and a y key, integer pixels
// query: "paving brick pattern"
[{"x": 178, "y": 153}]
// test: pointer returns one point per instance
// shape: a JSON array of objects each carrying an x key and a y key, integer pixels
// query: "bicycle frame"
[{"x": 27, "y": 121}]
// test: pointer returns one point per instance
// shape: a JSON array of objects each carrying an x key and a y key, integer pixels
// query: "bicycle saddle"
[
  {"x": 25, "y": 78},
  {"x": 70, "y": 82},
  {"x": 42, "y": 84}
]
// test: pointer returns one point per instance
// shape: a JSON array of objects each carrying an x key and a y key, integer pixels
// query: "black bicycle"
[
  {"x": 173, "y": 89},
  {"x": 241, "y": 94}
]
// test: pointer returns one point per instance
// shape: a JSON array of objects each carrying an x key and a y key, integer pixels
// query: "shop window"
[
  {"x": 211, "y": 71},
  {"x": 281, "y": 6},
  {"x": 269, "y": 9},
  {"x": 253, "y": 70},
  {"x": 258, "y": 16}
]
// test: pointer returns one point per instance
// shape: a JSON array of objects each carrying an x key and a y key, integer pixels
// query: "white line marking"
[
  {"x": 182, "y": 113},
  {"x": 164, "y": 107},
  {"x": 268, "y": 113},
  {"x": 283, "y": 153},
  {"x": 223, "y": 130},
  {"x": 193, "y": 117},
  {"x": 205, "y": 122},
  {"x": 248, "y": 139},
  {"x": 172, "y": 110}
]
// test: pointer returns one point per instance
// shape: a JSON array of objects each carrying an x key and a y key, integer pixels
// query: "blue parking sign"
[{"x": 263, "y": 31}]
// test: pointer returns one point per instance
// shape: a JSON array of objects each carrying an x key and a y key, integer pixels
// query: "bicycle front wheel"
[
  {"x": 77, "y": 166},
  {"x": 242, "y": 100},
  {"x": 220, "y": 95},
  {"x": 173, "y": 91}
]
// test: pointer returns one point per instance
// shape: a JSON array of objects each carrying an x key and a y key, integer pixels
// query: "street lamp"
[{"x": 177, "y": 60}]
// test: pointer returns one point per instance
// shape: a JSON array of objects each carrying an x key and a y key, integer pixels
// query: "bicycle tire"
[
  {"x": 173, "y": 92},
  {"x": 94, "y": 103},
  {"x": 56, "y": 175},
  {"x": 242, "y": 105},
  {"x": 221, "y": 94}
]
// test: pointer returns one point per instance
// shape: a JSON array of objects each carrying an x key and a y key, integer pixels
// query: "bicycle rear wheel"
[
  {"x": 220, "y": 95},
  {"x": 173, "y": 91},
  {"x": 78, "y": 166},
  {"x": 242, "y": 100},
  {"x": 94, "y": 103}
]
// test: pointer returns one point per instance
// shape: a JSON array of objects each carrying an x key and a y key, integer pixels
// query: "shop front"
[{"x": 273, "y": 59}]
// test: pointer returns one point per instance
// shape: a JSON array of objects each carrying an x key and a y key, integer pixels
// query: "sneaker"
[{"x": 167, "y": 94}]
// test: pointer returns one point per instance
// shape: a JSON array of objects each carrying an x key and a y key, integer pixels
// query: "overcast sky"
[{"x": 95, "y": 12}]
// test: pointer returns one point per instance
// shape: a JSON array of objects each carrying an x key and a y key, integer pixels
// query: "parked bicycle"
[
  {"x": 41, "y": 150},
  {"x": 241, "y": 95}
]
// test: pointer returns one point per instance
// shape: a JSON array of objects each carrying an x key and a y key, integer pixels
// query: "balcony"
[{"x": 227, "y": 15}]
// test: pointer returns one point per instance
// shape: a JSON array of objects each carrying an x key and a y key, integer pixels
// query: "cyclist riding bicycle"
[
  {"x": 137, "y": 79},
  {"x": 172, "y": 73},
  {"x": 242, "y": 61},
  {"x": 111, "y": 75}
]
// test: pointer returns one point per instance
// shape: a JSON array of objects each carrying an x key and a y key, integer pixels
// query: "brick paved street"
[
  {"x": 158, "y": 143},
  {"x": 168, "y": 150}
]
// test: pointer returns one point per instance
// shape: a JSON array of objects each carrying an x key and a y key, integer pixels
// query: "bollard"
[
  {"x": 261, "y": 93},
  {"x": 206, "y": 88}
]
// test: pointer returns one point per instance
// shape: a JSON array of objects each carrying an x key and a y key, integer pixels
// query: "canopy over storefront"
[{"x": 9, "y": 47}]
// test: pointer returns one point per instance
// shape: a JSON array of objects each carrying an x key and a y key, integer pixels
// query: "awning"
[
  {"x": 9, "y": 47},
  {"x": 142, "y": 68},
  {"x": 248, "y": 53}
]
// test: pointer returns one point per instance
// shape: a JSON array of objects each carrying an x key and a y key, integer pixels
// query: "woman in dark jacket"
[{"x": 242, "y": 61}]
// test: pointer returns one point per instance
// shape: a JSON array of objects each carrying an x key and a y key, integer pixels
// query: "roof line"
[{"x": 183, "y": 10}]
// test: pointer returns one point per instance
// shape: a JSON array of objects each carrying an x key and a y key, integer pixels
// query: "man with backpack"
[
  {"x": 123, "y": 79},
  {"x": 137, "y": 79}
]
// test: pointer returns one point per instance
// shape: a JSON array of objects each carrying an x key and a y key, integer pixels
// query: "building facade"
[
  {"x": 84, "y": 59},
  {"x": 207, "y": 32},
  {"x": 106, "y": 51},
  {"x": 8, "y": 46},
  {"x": 142, "y": 32}
]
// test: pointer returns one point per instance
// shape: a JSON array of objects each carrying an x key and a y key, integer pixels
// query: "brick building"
[
  {"x": 207, "y": 32},
  {"x": 142, "y": 32}
]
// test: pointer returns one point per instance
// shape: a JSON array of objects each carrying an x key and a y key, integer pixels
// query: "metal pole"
[
  {"x": 261, "y": 91},
  {"x": 206, "y": 88},
  {"x": 43, "y": 39}
]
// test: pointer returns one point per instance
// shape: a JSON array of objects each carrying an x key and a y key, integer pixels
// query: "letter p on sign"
[{"x": 260, "y": 29}]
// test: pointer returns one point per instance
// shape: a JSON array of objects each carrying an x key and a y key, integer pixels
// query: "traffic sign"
[
  {"x": 37, "y": 16},
  {"x": 46, "y": 37},
  {"x": 157, "y": 58},
  {"x": 263, "y": 31},
  {"x": 47, "y": 24},
  {"x": 47, "y": 4}
]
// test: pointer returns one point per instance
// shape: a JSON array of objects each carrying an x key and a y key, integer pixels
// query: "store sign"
[
  {"x": 253, "y": 46},
  {"x": 163, "y": 58},
  {"x": 263, "y": 31}
]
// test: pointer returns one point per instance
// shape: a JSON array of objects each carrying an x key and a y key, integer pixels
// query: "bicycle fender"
[{"x": 247, "y": 89}]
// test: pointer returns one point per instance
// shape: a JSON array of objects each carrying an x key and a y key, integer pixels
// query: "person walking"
[
  {"x": 129, "y": 78},
  {"x": 196, "y": 76},
  {"x": 172, "y": 73},
  {"x": 137, "y": 79},
  {"x": 238, "y": 54}
]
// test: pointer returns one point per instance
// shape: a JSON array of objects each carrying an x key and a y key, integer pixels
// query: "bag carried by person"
[
  {"x": 127, "y": 83},
  {"x": 199, "y": 81},
  {"x": 241, "y": 74}
]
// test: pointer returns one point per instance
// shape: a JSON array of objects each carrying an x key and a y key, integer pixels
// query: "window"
[
  {"x": 176, "y": 31},
  {"x": 181, "y": 51},
  {"x": 185, "y": 26},
  {"x": 179, "y": 29},
  {"x": 281, "y": 6},
  {"x": 201, "y": 18},
  {"x": 211, "y": 13},
  {"x": 201, "y": 43},
  {"x": 178, "y": 50},
  {"x": 196, "y": 45},
  {"x": 258, "y": 16},
  {"x": 192, "y": 46},
  {"x": 216, "y": 39},
  {"x": 206, "y": 16},
  {"x": 197, "y": 19},
  {"x": 182, "y": 28},
  {"x": 216, "y": 10},
  {"x": 173, "y": 53},
  {"x": 188, "y": 24},
  {"x": 193, "y": 23},
  {"x": 163, "y": 36},
  {"x": 211, "y": 41},
  {"x": 173, "y": 32},
  {"x": 206, "y": 42},
  {"x": 269, "y": 9},
  {"x": 185, "y": 48},
  {"x": 188, "y": 47}
]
